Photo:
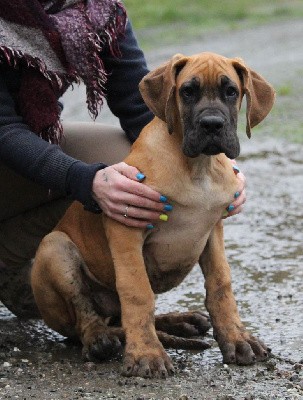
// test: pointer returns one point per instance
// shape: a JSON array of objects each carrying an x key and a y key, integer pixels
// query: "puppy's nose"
[{"x": 211, "y": 123}]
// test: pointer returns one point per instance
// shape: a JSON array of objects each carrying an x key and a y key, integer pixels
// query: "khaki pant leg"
[
  {"x": 18, "y": 194},
  {"x": 94, "y": 142},
  {"x": 29, "y": 212}
]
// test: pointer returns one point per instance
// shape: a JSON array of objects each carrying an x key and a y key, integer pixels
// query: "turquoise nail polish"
[
  {"x": 167, "y": 207},
  {"x": 150, "y": 226},
  {"x": 236, "y": 169},
  {"x": 163, "y": 199},
  {"x": 236, "y": 195},
  {"x": 230, "y": 208},
  {"x": 140, "y": 176}
]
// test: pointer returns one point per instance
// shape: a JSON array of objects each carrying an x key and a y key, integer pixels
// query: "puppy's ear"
[
  {"x": 158, "y": 90},
  {"x": 260, "y": 95}
]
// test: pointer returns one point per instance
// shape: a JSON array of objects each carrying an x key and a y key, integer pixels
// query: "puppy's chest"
[{"x": 174, "y": 247}]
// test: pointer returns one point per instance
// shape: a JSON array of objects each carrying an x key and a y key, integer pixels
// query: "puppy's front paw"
[
  {"x": 151, "y": 363},
  {"x": 241, "y": 348}
]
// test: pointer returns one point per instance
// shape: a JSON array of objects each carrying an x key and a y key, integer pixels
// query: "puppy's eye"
[
  {"x": 231, "y": 92},
  {"x": 187, "y": 92}
]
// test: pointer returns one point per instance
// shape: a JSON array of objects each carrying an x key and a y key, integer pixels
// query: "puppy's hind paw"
[
  {"x": 104, "y": 347},
  {"x": 176, "y": 342},
  {"x": 186, "y": 324}
]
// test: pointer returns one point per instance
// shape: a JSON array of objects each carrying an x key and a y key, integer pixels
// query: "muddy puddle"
[{"x": 264, "y": 246}]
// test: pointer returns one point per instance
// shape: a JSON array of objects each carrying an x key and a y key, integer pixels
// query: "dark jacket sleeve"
[
  {"x": 38, "y": 160},
  {"x": 125, "y": 73}
]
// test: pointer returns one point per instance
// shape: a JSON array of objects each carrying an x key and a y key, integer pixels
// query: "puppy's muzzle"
[{"x": 211, "y": 133}]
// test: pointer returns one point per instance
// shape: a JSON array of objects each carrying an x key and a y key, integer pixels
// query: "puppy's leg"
[
  {"x": 236, "y": 344},
  {"x": 144, "y": 354},
  {"x": 64, "y": 300}
]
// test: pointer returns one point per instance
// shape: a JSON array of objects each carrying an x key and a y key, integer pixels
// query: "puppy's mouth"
[
  {"x": 230, "y": 152},
  {"x": 212, "y": 149}
]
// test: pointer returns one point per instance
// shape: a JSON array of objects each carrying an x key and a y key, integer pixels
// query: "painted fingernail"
[
  {"x": 236, "y": 195},
  {"x": 236, "y": 169},
  {"x": 140, "y": 176},
  {"x": 167, "y": 207},
  {"x": 150, "y": 226},
  {"x": 163, "y": 199},
  {"x": 163, "y": 217},
  {"x": 230, "y": 208},
  {"x": 225, "y": 214}
]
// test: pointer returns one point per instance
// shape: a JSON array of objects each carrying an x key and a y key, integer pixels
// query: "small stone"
[
  {"x": 89, "y": 366},
  {"x": 271, "y": 365},
  {"x": 297, "y": 367},
  {"x": 6, "y": 364},
  {"x": 294, "y": 378}
]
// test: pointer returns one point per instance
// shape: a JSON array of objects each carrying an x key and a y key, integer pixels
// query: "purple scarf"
[{"x": 56, "y": 43}]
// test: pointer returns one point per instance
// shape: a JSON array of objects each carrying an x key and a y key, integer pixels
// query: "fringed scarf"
[{"x": 55, "y": 43}]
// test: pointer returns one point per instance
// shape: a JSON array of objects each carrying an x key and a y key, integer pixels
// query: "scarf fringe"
[
  {"x": 96, "y": 90},
  {"x": 15, "y": 58},
  {"x": 53, "y": 133}
]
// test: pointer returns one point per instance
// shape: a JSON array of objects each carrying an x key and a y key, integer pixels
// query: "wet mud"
[{"x": 264, "y": 246}]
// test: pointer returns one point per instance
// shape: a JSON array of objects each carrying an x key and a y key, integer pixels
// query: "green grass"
[
  {"x": 284, "y": 90},
  {"x": 167, "y": 21}
]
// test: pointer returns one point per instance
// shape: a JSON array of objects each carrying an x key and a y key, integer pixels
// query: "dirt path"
[
  {"x": 264, "y": 247},
  {"x": 274, "y": 50}
]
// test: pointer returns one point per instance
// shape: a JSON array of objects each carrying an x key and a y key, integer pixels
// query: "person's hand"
[
  {"x": 121, "y": 195},
  {"x": 240, "y": 196}
]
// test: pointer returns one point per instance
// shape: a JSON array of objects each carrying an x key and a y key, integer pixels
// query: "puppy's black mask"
[{"x": 209, "y": 115}]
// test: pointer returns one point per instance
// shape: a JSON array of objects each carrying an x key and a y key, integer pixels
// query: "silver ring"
[{"x": 125, "y": 213}]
